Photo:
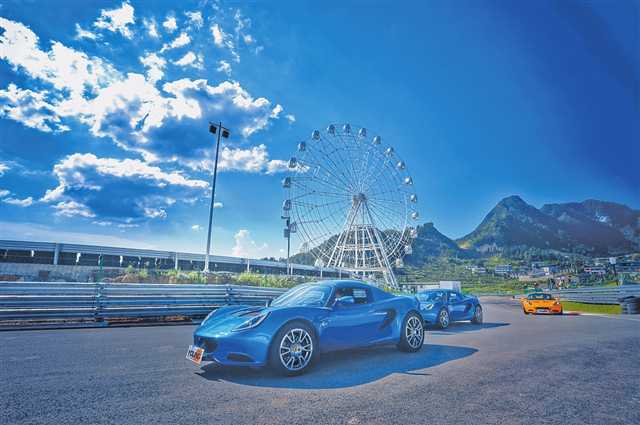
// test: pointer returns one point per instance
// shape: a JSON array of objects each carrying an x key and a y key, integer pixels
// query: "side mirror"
[{"x": 344, "y": 301}]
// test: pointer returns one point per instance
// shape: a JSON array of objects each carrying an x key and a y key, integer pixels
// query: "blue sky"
[{"x": 104, "y": 105}]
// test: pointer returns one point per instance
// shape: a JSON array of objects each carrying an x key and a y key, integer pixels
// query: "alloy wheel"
[
  {"x": 296, "y": 348},
  {"x": 414, "y": 332}
]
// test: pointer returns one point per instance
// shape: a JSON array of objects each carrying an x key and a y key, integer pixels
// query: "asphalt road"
[{"x": 513, "y": 369}]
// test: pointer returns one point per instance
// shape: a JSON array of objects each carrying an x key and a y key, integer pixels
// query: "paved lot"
[{"x": 513, "y": 369}]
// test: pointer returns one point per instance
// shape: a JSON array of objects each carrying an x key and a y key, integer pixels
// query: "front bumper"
[
  {"x": 429, "y": 316},
  {"x": 541, "y": 310},
  {"x": 244, "y": 348}
]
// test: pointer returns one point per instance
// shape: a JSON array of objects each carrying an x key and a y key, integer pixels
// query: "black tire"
[
  {"x": 442, "y": 323},
  {"x": 477, "y": 315},
  {"x": 412, "y": 333},
  {"x": 277, "y": 362},
  {"x": 524, "y": 311}
]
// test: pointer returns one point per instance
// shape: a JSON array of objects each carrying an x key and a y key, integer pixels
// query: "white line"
[{"x": 609, "y": 316}]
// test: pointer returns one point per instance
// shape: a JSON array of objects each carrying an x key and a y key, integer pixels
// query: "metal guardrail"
[
  {"x": 39, "y": 301},
  {"x": 603, "y": 295}
]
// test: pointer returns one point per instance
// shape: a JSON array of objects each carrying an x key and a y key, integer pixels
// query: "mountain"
[
  {"x": 610, "y": 214},
  {"x": 514, "y": 228},
  {"x": 430, "y": 243},
  {"x": 513, "y": 225}
]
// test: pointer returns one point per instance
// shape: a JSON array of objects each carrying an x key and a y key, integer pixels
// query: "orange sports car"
[{"x": 540, "y": 303}]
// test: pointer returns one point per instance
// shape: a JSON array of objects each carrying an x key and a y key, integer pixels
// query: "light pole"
[
  {"x": 224, "y": 132},
  {"x": 290, "y": 227}
]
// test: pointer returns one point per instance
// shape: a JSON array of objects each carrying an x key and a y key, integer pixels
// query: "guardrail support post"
[
  {"x": 56, "y": 254},
  {"x": 97, "y": 315}
]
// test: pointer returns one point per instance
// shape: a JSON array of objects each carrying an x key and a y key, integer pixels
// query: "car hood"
[{"x": 226, "y": 319}]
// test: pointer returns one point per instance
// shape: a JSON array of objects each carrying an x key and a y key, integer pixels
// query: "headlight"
[
  {"x": 252, "y": 322},
  {"x": 426, "y": 306}
]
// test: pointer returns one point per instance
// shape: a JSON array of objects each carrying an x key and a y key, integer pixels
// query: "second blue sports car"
[
  {"x": 305, "y": 321},
  {"x": 443, "y": 306}
]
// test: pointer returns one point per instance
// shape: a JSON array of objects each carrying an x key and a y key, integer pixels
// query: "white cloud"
[
  {"x": 170, "y": 24},
  {"x": 30, "y": 108},
  {"x": 191, "y": 59},
  {"x": 182, "y": 40},
  {"x": 151, "y": 26},
  {"x": 218, "y": 35},
  {"x": 63, "y": 67},
  {"x": 3, "y": 168},
  {"x": 291, "y": 118},
  {"x": 39, "y": 232},
  {"x": 224, "y": 66},
  {"x": 252, "y": 160},
  {"x": 155, "y": 213},
  {"x": 155, "y": 66},
  {"x": 195, "y": 18},
  {"x": 4, "y": 193},
  {"x": 82, "y": 33},
  {"x": 102, "y": 223},
  {"x": 275, "y": 113},
  {"x": 245, "y": 246},
  {"x": 129, "y": 109},
  {"x": 87, "y": 186},
  {"x": 72, "y": 208},
  {"x": 196, "y": 227},
  {"x": 117, "y": 20},
  {"x": 217, "y": 205},
  {"x": 26, "y": 202}
]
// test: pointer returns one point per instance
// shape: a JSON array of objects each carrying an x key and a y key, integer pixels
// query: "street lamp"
[
  {"x": 224, "y": 132},
  {"x": 290, "y": 227}
]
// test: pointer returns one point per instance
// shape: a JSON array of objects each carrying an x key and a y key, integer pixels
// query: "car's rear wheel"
[
  {"x": 477, "y": 315},
  {"x": 412, "y": 337},
  {"x": 443, "y": 319},
  {"x": 293, "y": 349}
]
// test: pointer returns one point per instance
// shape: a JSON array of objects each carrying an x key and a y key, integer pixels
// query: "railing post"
[
  {"x": 229, "y": 293},
  {"x": 97, "y": 315}
]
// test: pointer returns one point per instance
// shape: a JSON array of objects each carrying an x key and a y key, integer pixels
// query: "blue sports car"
[
  {"x": 306, "y": 321},
  {"x": 443, "y": 306}
]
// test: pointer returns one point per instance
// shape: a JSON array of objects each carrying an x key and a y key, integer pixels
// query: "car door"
[
  {"x": 353, "y": 325},
  {"x": 456, "y": 305}
]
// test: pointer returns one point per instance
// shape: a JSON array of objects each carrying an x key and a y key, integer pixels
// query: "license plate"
[
  {"x": 543, "y": 310},
  {"x": 195, "y": 354}
]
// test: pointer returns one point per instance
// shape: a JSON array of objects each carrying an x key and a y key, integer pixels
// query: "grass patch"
[{"x": 591, "y": 308}]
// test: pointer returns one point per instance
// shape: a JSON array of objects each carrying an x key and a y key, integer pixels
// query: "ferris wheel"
[{"x": 351, "y": 200}]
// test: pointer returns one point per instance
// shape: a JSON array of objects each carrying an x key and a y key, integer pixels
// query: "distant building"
[
  {"x": 599, "y": 270},
  {"x": 549, "y": 270},
  {"x": 415, "y": 287},
  {"x": 478, "y": 270},
  {"x": 503, "y": 269}
]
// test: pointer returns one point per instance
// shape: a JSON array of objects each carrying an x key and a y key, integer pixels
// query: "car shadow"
[
  {"x": 345, "y": 368},
  {"x": 460, "y": 327}
]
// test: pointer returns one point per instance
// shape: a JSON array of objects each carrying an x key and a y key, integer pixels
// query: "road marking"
[{"x": 608, "y": 316}]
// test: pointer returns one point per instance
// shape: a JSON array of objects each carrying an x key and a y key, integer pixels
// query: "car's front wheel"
[
  {"x": 443, "y": 319},
  {"x": 412, "y": 337},
  {"x": 293, "y": 349},
  {"x": 477, "y": 315}
]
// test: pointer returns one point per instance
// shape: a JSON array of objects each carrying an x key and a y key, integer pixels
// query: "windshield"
[
  {"x": 305, "y": 295},
  {"x": 540, "y": 297},
  {"x": 430, "y": 296}
]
